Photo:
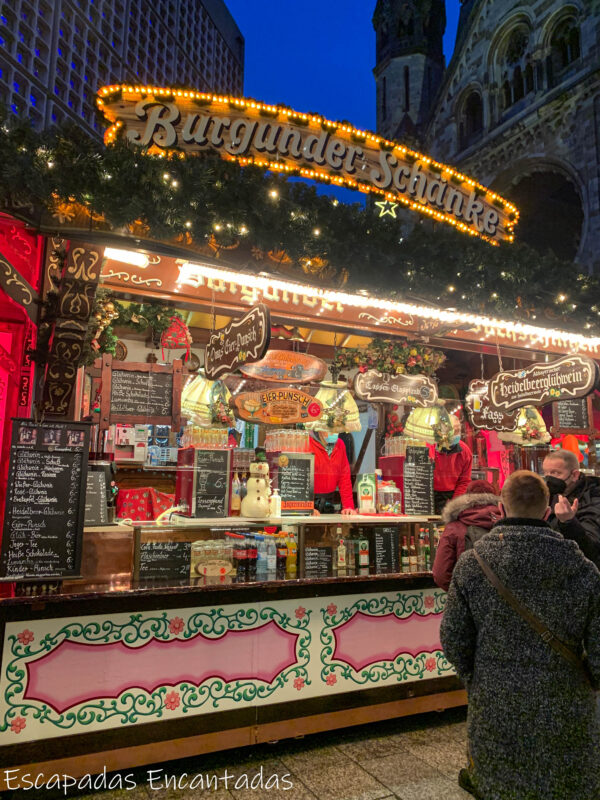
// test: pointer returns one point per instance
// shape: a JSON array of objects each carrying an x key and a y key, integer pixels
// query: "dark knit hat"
[{"x": 480, "y": 487}]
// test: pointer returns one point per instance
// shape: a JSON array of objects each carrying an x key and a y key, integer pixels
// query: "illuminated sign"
[{"x": 287, "y": 141}]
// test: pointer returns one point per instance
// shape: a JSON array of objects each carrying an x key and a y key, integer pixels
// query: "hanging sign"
[
  {"x": 285, "y": 366},
  {"x": 242, "y": 341},
  {"x": 277, "y": 137},
  {"x": 566, "y": 378},
  {"x": 380, "y": 387},
  {"x": 278, "y": 407},
  {"x": 485, "y": 415}
]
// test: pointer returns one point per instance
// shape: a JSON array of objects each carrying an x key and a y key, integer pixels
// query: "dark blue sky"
[{"x": 316, "y": 55}]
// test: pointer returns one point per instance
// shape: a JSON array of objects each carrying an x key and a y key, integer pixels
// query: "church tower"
[{"x": 409, "y": 64}]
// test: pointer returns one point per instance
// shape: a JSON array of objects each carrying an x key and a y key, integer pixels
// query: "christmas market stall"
[{"x": 221, "y": 507}]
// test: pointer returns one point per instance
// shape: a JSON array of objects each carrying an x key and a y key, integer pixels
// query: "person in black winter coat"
[
  {"x": 533, "y": 727},
  {"x": 575, "y": 502}
]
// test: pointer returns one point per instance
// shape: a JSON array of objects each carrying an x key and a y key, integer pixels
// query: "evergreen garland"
[
  {"x": 205, "y": 197},
  {"x": 392, "y": 357}
]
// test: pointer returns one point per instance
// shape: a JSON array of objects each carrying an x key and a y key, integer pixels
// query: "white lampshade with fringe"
[
  {"x": 202, "y": 399},
  {"x": 530, "y": 431},
  {"x": 340, "y": 412},
  {"x": 431, "y": 425}
]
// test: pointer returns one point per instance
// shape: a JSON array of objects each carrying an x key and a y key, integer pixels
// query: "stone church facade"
[{"x": 517, "y": 107}]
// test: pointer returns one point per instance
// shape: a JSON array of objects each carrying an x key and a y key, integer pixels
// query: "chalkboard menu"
[
  {"x": 211, "y": 483},
  {"x": 164, "y": 561},
  {"x": 296, "y": 482},
  {"x": 318, "y": 561},
  {"x": 45, "y": 502},
  {"x": 141, "y": 394},
  {"x": 418, "y": 481},
  {"x": 383, "y": 546},
  {"x": 95, "y": 499},
  {"x": 572, "y": 414}
]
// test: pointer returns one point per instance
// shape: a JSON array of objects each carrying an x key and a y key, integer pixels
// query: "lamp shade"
[
  {"x": 206, "y": 403},
  {"x": 432, "y": 425},
  {"x": 340, "y": 412},
  {"x": 531, "y": 429}
]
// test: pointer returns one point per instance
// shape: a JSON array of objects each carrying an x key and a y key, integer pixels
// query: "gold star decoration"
[{"x": 387, "y": 208}]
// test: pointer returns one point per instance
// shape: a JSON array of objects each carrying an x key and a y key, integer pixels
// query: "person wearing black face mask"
[{"x": 575, "y": 502}]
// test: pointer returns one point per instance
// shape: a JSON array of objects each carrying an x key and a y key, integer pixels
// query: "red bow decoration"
[{"x": 175, "y": 336}]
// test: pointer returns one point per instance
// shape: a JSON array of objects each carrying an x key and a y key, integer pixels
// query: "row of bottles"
[
  {"x": 416, "y": 556},
  {"x": 352, "y": 553},
  {"x": 247, "y": 556}
]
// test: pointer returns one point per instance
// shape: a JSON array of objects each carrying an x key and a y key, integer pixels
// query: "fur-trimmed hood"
[{"x": 455, "y": 507}]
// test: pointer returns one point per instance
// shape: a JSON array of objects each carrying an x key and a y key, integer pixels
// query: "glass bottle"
[
  {"x": 421, "y": 551},
  {"x": 412, "y": 555},
  {"x": 282, "y": 553},
  {"x": 404, "y": 563},
  {"x": 291, "y": 568},
  {"x": 236, "y": 500}
]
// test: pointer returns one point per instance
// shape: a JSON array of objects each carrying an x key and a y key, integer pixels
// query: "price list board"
[
  {"x": 296, "y": 482},
  {"x": 163, "y": 561},
  {"x": 318, "y": 561},
  {"x": 141, "y": 394},
  {"x": 202, "y": 484},
  {"x": 96, "y": 511},
  {"x": 45, "y": 503},
  {"x": 384, "y": 549},
  {"x": 572, "y": 415},
  {"x": 418, "y": 482}
]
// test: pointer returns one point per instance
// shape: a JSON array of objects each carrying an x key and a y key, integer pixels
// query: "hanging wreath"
[{"x": 393, "y": 357}]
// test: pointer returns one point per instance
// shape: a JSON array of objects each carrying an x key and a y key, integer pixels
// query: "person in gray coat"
[{"x": 533, "y": 727}]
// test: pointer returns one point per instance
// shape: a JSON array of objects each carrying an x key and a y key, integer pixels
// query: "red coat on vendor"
[
  {"x": 333, "y": 483},
  {"x": 452, "y": 471}
]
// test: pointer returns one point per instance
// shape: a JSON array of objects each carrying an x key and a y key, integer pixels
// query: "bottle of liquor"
[
  {"x": 412, "y": 555},
  {"x": 243, "y": 488},
  {"x": 421, "y": 551},
  {"x": 342, "y": 561},
  {"x": 236, "y": 500},
  {"x": 292, "y": 556},
  {"x": 404, "y": 562},
  {"x": 427, "y": 552},
  {"x": 363, "y": 552}
]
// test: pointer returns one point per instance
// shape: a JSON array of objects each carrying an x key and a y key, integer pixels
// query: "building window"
[
  {"x": 517, "y": 68},
  {"x": 565, "y": 45},
  {"x": 471, "y": 120}
]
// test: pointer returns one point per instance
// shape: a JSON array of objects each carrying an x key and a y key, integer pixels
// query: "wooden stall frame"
[{"x": 103, "y": 369}]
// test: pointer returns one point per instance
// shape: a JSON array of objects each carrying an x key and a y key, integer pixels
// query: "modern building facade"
[
  {"x": 55, "y": 54},
  {"x": 518, "y": 106}
]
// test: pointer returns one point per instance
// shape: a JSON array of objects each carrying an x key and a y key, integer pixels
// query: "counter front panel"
[{"x": 105, "y": 672}]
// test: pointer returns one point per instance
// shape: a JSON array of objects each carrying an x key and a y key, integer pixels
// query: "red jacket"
[
  {"x": 452, "y": 472},
  {"x": 458, "y": 514},
  {"x": 332, "y": 471}
]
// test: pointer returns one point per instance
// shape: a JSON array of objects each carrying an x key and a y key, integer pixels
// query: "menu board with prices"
[
  {"x": 202, "y": 485},
  {"x": 141, "y": 394},
  {"x": 384, "y": 549},
  {"x": 296, "y": 482},
  {"x": 163, "y": 561},
  {"x": 318, "y": 561},
  {"x": 571, "y": 415},
  {"x": 418, "y": 482},
  {"x": 45, "y": 502},
  {"x": 96, "y": 512}
]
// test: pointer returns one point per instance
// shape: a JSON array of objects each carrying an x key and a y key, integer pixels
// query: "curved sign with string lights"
[{"x": 288, "y": 141}]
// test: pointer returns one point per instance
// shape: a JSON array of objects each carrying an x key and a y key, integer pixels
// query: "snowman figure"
[{"x": 256, "y": 501}]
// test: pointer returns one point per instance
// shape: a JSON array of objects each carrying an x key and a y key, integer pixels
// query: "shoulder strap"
[{"x": 530, "y": 618}]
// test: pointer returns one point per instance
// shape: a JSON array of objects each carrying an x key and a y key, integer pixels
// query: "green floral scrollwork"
[
  {"x": 138, "y": 705},
  {"x": 404, "y": 667}
]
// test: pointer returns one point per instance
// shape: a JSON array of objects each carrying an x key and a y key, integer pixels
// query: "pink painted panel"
[
  {"x": 366, "y": 639},
  {"x": 75, "y": 672}
]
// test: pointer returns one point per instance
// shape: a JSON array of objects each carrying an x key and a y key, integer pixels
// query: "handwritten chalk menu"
[
  {"x": 95, "y": 499},
  {"x": 384, "y": 549},
  {"x": 318, "y": 561},
  {"x": 141, "y": 394},
  {"x": 45, "y": 502},
  {"x": 418, "y": 481},
  {"x": 572, "y": 414},
  {"x": 163, "y": 561},
  {"x": 211, "y": 483},
  {"x": 296, "y": 482}
]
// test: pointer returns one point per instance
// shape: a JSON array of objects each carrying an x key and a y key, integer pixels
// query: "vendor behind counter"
[
  {"x": 333, "y": 482},
  {"x": 452, "y": 472}
]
